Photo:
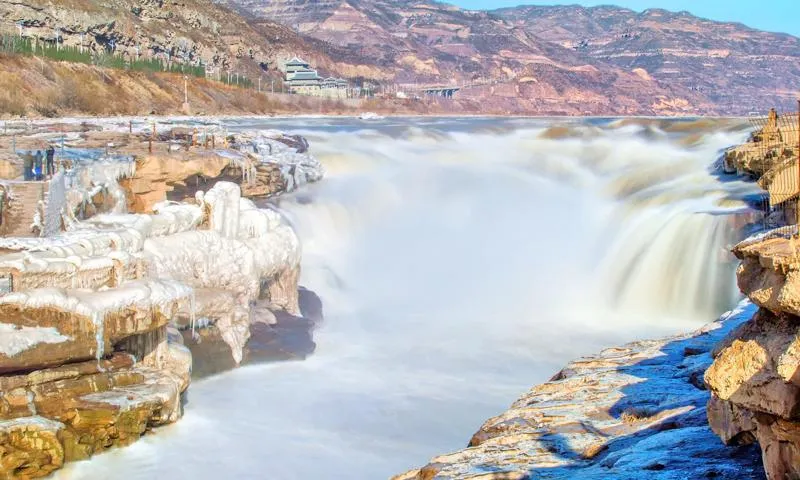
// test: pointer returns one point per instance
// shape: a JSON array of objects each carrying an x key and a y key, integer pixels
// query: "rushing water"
[{"x": 459, "y": 262}]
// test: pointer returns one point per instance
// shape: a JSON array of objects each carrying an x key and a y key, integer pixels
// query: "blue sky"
[{"x": 772, "y": 15}]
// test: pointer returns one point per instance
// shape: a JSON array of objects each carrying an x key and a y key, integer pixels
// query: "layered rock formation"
[
  {"x": 755, "y": 378},
  {"x": 628, "y": 412},
  {"x": 263, "y": 163},
  {"x": 86, "y": 371},
  {"x": 91, "y": 350}
]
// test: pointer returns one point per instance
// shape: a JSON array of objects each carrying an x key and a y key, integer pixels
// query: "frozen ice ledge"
[{"x": 93, "y": 317}]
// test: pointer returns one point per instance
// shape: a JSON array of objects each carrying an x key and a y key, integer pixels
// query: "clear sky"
[{"x": 772, "y": 15}]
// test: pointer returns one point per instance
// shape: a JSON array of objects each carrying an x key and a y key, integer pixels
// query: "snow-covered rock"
[{"x": 89, "y": 354}]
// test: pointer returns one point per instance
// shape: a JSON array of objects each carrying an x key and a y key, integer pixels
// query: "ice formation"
[
  {"x": 91, "y": 176},
  {"x": 18, "y": 339},
  {"x": 165, "y": 296},
  {"x": 298, "y": 167},
  {"x": 224, "y": 248},
  {"x": 244, "y": 247},
  {"x": 116, "y": 261}
]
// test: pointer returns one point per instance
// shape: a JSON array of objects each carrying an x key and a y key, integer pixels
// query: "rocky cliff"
[
  {"x": 755, "y": 377},
  {"x": 729, "y": 64},
  {"x": 98, "y": 322}
]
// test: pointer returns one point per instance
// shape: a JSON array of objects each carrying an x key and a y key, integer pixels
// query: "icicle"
[
  {"x": 119, "y": 273},
  {"x": 31, "y": 405},
  {"x": 99, "y": 326},
  {"x": 192, "y": 316}
]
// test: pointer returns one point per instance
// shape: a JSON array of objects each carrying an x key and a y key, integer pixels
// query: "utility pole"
[{"x": 186, "y": 89}]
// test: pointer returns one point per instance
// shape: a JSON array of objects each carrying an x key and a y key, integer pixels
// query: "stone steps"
[{"x": 25, "y": 197}]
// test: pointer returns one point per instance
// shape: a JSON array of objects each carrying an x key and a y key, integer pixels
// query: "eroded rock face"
[
  {"x": 103, "y": 375},
  {"x": 30, "y": 447},
  {"x": 770, "y": 274},
  {"x": 50, "y": 327},
  {"x": 71, "y": 412},
  {"x": 755, "y": 377},
  {"x": 261, "y": 163},
  {"x": 757, "y": 369}
]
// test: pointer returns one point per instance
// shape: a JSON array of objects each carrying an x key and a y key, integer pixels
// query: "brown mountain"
[
  {"x": 552, "y": 59},
  {"x": 734, "y": 66}
]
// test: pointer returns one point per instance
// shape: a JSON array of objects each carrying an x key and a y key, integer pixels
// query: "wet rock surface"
[{"x": 632, "y": 411}]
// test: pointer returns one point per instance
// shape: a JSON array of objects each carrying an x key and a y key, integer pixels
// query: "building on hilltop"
[{"x": 301, "y": 79}]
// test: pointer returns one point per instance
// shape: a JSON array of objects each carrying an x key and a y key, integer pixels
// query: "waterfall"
[{"x": 459, "y": 262}]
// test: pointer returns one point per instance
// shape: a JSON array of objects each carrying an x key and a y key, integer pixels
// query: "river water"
[{"x": 460, "y": 262}]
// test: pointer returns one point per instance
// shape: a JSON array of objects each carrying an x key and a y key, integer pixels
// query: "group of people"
[{"x": 40, "y": 165}]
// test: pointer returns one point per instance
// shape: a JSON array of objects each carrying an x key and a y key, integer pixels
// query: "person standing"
[
  {"x": 50, "y": 161},
  {"x": 37, "y": 165},
  {"x": 27, "y": 161}
]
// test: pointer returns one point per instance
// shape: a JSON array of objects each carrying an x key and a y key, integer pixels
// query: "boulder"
[{"x": 30, "y": 447}]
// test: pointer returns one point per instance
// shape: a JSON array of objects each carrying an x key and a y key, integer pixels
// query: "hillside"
[
  {"x": 182, "y": 31},
  {"x": 555, "y": 59},
  {"x": 525, "y": 60},
  {"x": 33, "y": 88}
]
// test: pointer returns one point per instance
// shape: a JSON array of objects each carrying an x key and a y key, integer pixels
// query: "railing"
[
  {"x": 775, "y": 144},
  {"x": 786, "y": 232}
]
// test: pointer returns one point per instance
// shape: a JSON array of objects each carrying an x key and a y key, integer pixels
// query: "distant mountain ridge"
[
  {"x": 563, "y": 60},
  {"x": 559, "y": 59}
]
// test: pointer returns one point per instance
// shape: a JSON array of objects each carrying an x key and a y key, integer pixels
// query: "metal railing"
[{"x": 775, "y": 143}]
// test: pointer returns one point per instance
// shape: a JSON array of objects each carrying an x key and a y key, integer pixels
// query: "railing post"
[{"x": 797, "y": 203}]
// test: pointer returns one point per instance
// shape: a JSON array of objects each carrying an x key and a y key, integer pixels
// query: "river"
[{"x": 460, "y": 262}]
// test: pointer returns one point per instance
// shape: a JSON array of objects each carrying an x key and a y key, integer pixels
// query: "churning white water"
[{"x": 459, "y": 262}]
